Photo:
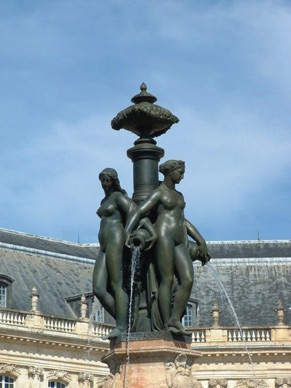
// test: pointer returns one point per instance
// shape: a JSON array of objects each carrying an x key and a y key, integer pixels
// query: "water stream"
[
  {"x": 90, "y": 328},
  {"x": 219, "y": 282},
  {"x": 135, "y": 254},
  {"x": 90, "y": 334}
]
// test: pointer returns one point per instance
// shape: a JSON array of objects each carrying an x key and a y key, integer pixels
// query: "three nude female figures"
[{"x": 171, "y": 248}]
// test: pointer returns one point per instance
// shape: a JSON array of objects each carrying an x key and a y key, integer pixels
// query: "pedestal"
[
  {"x": 145, "y": 156},
  {"x": 150, "y": 362}
]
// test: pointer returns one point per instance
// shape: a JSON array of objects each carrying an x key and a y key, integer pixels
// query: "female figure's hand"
[
  {"x": 127, "y": 239},
  {"x": 203, "y": 254}
]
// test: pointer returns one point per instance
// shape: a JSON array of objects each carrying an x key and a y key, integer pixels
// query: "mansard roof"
[
  {"x": 58, "y": 269},
  {"x": 46, "y": 244},
  {"x": 253, "y": 249},
  {"x": 255, "y": 275},
  {"x": 252, "y": 275}
]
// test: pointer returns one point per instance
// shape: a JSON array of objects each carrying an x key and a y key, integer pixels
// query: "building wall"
[
  {"x": 35, "y": 349},
  {"x": 46, "y": 334}
]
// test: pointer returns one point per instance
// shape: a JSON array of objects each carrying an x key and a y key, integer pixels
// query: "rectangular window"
[
  {"x": 3, "y": 295},
  {"x": 187, "y": 320},
  {"x": 55, "y": 384},
  {"x": 99, "y": 314}
]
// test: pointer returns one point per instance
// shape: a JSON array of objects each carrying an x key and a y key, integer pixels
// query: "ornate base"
[{"x": 146, "y": 361}]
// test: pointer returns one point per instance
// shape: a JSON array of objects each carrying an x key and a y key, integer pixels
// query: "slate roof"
[
  {"x": 255, "y": 275},
  {"x": 58, "y": 269},
  {"x": 253, "y": 249},
  {"x": 48, "y": 245}
]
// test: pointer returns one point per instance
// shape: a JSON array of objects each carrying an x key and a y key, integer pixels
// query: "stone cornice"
[
  {"x": 50, "y": 340},
  {"x": 243, "y": 350}
]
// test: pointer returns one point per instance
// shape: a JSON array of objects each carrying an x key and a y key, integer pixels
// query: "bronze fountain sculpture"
[
  {"x": 108, "y": 276},
  {"x": 153, "y": 220}
]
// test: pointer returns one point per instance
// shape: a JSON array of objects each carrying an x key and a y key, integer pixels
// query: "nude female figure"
[
  {"x": 172, "y": 255},
  {"x": 108, "y": 271}
]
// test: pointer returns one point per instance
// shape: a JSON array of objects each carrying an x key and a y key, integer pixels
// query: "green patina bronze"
[
  {"x": 153, "y": 219},
  {"x": 144, "y": 118}
]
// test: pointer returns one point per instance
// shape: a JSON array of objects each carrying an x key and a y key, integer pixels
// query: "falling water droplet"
[{"x": 135, "y": 254}]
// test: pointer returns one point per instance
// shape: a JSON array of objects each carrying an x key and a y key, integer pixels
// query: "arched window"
[
  {"x": 6, "y": 382},
  {"x": 55, "y": 384}
]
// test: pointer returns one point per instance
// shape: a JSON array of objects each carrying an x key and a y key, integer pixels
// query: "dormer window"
[
  {"x": 97, "y": 310},
  {"x": 5, "y": 291},
  {"x": 189, "y": 317},
  {"x": 94, "y": 310},
  {"x": 3, "y": 294}
]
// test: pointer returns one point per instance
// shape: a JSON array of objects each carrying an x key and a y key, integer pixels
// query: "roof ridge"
[
  {"x": 285, "y": 241},
  {"x": 42, "y": 252},
  {"x": 29, "y": 235}
]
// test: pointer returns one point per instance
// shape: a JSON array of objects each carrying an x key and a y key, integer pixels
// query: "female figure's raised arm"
[{"x": 140, "y": 212}]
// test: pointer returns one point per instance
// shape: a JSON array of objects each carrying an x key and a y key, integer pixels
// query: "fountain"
[{"x": 153, "y": 349}]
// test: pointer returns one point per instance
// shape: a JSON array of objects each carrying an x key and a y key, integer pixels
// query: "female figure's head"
[
  {"x": 173, "y": 168},
  {"x": 109, "y": 180},
  {"x": 171, "y": 165}
]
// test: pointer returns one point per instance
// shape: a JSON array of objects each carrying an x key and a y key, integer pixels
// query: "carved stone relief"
[
  {"x": 217, "y": 383},
  {"x": 283, "y": 382},
  {"x": 179, "y": 374},
  {"x": 34, "y": 372},
  {"x": 10, "y": 369},
  {"x": 251, "y": 383},
  {"x": 59, "y": 375},
  {"x": 108, "y": 381},
  {"x": 86, "y": 379}
]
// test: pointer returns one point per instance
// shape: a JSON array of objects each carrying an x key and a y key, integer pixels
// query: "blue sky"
[{"x": 222, "y": 67}]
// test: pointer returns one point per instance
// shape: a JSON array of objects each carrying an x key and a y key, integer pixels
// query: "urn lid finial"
[
  {"x": 144, "y": 118},
  {"x": 143, "y": 96}
]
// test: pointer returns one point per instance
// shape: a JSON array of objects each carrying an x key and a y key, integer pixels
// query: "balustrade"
[
  {"x": 249, "y": 335},
  {"x": 11, "y": 317},
  {"x": 59, "y": 324},
  {"x": 200, "y": 336},
  {"x": 101, "y": 331}
]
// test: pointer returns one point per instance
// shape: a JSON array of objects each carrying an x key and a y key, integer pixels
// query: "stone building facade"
[{"x": 53, "y": 333}]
